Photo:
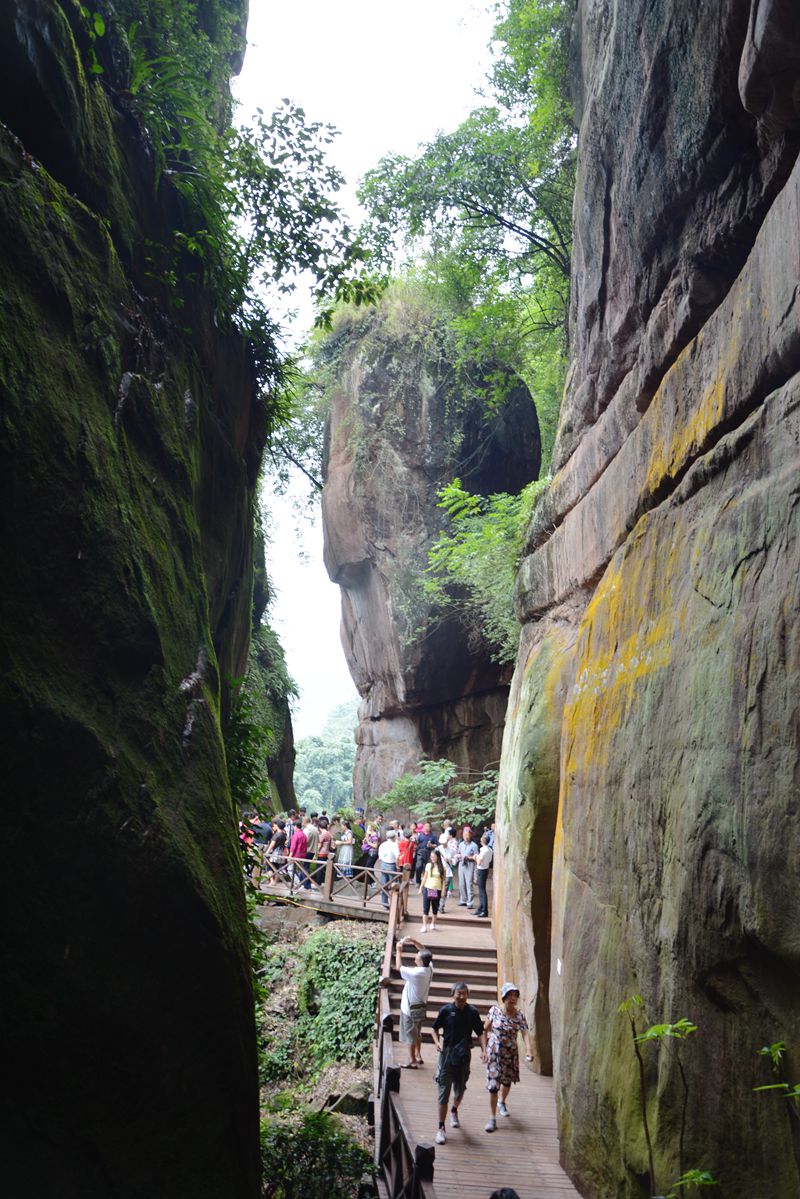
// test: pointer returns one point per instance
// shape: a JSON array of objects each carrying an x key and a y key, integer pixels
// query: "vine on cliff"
[
  {"x": 472, "y": 566},
  {"x": 258, "y": 201}
]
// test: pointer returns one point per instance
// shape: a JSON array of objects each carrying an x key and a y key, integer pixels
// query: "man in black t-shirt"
[{"x": 453, "y": 1029}]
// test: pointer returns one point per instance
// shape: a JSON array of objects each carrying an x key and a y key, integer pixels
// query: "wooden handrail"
[
  {"x": 405, "y": 1166},
  {"x": 391, "y": 933}
]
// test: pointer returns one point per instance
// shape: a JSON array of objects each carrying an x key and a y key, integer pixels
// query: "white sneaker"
[
  {"x": 454, "y": 1120},
  {"x": 440, "y": 1137},
  {"x": 502, "y": 1109},
  {"x": 423, "y": 928},
  {"x": 492, "y": 1125}
]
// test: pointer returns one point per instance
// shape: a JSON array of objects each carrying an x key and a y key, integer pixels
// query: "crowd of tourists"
[
  {"x": 445, "y": 864},
  {"x": 453, "y": 1030}
]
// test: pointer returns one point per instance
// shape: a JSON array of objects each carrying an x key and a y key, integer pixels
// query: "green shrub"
[
  {"x": 338, "y": 994},
  {"x": 309, "y": 1155}
]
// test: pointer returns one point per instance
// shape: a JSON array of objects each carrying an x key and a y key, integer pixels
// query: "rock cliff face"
[
  {"x": 129, "y": 448},
  {"x": 399, "y": 429},
  {"x": 649, "y": 783}
]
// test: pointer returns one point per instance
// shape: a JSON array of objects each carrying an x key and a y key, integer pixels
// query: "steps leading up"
[{"x": 463, "y": 950}]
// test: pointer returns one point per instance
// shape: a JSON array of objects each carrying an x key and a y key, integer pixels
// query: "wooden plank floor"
[{"x": 523, "y": 1152}]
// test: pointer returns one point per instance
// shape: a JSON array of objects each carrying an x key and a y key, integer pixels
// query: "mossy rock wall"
[
  {"x": 130, "y": 438},
  {"x": 655, "y": 707},
  {"x": 402, "y": 424}
]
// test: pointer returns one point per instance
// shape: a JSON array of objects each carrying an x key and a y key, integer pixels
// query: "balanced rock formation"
[
  {"x": 129, "y": 449},
  {"x": 401, "y": 426},
  {"x": 648, "y": 812}
]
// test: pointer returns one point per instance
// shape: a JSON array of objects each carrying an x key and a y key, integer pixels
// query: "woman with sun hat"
[{"x": 503, "y": 1025}]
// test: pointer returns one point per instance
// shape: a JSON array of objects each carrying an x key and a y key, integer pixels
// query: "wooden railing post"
[
  {"x": 327, "y": 884},
  {"x": 259, "y": 866},
  {"x": 406, "y": 888},
  {"x": 424, "y": 1155},
  {"x": 367, "y": 875},
  {"x": 391, "y": 1078}
]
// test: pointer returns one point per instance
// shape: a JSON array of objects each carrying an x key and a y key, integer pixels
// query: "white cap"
[{"x": 507, "y": 989}]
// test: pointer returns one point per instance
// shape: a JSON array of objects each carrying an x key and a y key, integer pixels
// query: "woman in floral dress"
[{"x": 503, "y": 1024}]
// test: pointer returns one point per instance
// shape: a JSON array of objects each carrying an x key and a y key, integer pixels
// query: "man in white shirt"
[
  {"x": 414, "y": 999},
  {"x": 482, "y": 864},
  {"x": 387, "y": 860}
]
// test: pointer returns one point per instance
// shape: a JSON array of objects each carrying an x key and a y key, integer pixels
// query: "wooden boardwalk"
[
  {"x": 523, "y": 1152},
  {"x": 355, "y": 896}
]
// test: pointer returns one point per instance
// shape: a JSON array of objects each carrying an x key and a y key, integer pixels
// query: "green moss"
[{"x": 112, "y": 627}]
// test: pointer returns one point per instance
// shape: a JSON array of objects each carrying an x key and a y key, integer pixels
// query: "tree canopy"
[
  {"x": 483, "y": 214},
  {"x": 323, "y": 775}
]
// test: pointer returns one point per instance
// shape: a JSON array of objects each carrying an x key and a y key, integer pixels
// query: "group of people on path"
[
  {"x": 302, "y": 842},
  {"x": 439, "y": 863},
  {"x": 453, "y": 1030}
]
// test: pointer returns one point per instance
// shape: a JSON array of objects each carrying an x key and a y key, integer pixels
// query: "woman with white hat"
[{"x": 503, "y": 1024}]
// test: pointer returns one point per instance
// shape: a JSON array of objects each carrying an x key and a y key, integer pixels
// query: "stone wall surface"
[
  {"x": 656, "y": 699},
  {"x": 130, "y": 438},
  {"x": 398, "y": 431}
]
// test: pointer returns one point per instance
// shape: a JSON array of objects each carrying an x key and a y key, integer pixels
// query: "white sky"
[{"x": 388, "y": 77}]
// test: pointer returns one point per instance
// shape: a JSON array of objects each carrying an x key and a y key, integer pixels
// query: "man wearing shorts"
[
  {"x": 452, "y": 1034},
  {"x": 414, "y": 999}
]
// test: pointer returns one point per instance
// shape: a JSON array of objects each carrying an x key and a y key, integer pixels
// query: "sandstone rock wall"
[
  {"x": 130, "y": 439},
  {"x": 398, "y": 431},
  {"x": 649, "y": 784}
]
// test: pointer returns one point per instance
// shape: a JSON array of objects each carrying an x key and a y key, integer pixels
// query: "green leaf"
[{"x": 680, "y": 1030}]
